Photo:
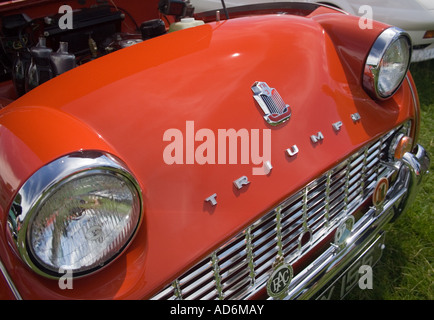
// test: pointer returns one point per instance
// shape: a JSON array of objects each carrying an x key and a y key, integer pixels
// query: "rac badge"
[
  {"x": 278, "y": 283},
  {"x": 274, "y": 108}
]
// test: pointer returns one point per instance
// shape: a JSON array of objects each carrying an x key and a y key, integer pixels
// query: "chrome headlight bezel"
[
  {"x": 374, "y": 62},
  {"x": 45, "y": 182}
]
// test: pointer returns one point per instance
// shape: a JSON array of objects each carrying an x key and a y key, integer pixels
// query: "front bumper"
[{"x": 365, "y": 243}]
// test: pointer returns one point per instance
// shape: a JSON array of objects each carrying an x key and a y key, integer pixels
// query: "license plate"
[{"x": 352, "y": 276}]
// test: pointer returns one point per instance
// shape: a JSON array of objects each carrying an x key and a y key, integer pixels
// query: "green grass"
[{"x": 406, "y": 270}]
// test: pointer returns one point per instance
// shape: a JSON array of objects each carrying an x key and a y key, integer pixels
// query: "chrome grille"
[{"x": 243, "y": 264}]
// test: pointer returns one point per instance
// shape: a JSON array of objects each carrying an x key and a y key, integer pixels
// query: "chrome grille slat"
[
  {"x": 211, "y": 296},
  {"x": 195, "y": 287},
  {"x": 201, "y": 269},
  {"x": 238, "y": 262},
  {"x": 291, "y": 226},
  {"x": 165, "y": 294},
  {"x": 235, "y": 279},
  {"x": 264, "y": 242},
  {"x": 243, "y": 264},
  {"x": 229, "y": 253},
  {"x": 294, "y": 205},
  {"x": 337, "y": 181},
  {"x": 264, "y": 258},
  {"x": 199, "y": 290},
  {"x": 289, "y": 236},
  {"x": 263, "y": 228},
  {"x": 336, "y": 194},
  {"x": 290, "y": 249},
  {"x": 316, "y": 219},
  {"x": 264, "y": 264}
]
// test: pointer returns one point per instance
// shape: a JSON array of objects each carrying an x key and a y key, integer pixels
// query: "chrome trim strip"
[
  {"x": 250, "y": 256},
  {"x": 9, "y": 281},
  {"x": 218, "y": 279},
  {"x": 416, "y": 110},
  {"x": 177, "y": 289},
  {"x": 347, "y": 184},
  {"x": 327, "y": 199},
  {"x": 364, "y": 170},
  {"x": 416, "y": 166},
  {"x": 279, "y": 231},
  {"x": 375, "y": 56}
]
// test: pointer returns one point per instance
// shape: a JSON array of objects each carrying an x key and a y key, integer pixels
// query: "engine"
[{"x": 35, "y": 50}]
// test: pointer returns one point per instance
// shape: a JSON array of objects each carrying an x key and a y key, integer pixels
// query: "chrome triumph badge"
[{"x": 274, "y": 108}]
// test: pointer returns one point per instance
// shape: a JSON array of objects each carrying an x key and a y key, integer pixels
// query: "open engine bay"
[{"x": 35, "y": 49}]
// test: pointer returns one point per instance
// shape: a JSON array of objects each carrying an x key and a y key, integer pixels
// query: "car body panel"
[{"x": 168, "y": 83}]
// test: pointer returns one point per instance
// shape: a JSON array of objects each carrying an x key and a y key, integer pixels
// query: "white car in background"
[{"x": 414, "y": 16}]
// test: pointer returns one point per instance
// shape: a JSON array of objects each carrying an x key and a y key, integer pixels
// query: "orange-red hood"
[{"x": 125, "y": 102}]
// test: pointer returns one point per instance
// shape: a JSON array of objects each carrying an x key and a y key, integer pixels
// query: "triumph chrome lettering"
[
  {"x": 356, "y": 117},
  {"x": 337, "y": 126},
  {"x": 292, "y": 151},
  {"x": 211, "y": 199},
  {"x": 241, "y": 182},
  {"x": 267, "y": 167},
  {"x": 276, "y": 111},
  {"x": 317, "y": 138}
]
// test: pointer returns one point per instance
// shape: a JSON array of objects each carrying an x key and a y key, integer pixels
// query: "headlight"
[
  {"x": 77, "y": 213},
  {"x": 387, "y": 63}
]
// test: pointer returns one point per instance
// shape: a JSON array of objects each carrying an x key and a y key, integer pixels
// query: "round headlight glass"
[
  {"x": 77, "y": 213},
  {"x": 387, "y": 63},
  {"x": 393, "y": 67},
  {"x": 84, "y": 222}
]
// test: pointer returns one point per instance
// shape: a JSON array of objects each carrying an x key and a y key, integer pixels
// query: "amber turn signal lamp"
[
  {"x": 404, "y": 145},
  {"x": 429, "y": 34}
]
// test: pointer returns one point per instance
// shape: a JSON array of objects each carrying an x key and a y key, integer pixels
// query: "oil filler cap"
[{"x": 153, "y": 28}]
